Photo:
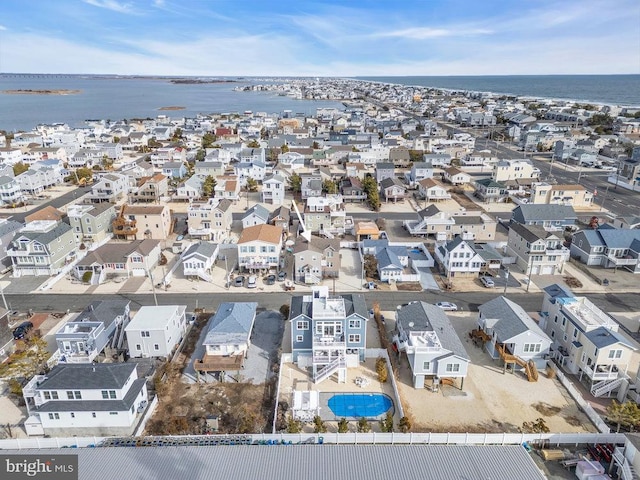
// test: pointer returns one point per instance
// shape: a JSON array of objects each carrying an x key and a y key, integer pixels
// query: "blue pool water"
[{"x": 358, "y": 405}]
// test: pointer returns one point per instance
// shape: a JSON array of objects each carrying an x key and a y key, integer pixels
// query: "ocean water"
[
  {"x": 607, "y": 89},
  {"x": 124, "y": 98}
]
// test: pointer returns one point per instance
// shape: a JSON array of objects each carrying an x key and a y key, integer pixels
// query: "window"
[
  {"x": 138, "y": 347},
  {"x": 575, "y": 333},
  {"x": 69, "y": 395},
  {"x": 77, "y": 395},
  {"x": 105, "y": 395},
  {"x": 73, "y": 415},
  {"x": 453, "y": 367},
  {"x": 144, "y": 333},
  {"x": 531, "y": 348},
  {"x": 299, "y": 338},
  {"x": 156, "y": 346},
  {"x": 93, "y": 414},
  {"x": 54, "y": 416},
  {"x": 615, "y": 353},
  {"x": 113, "y": 413},
  {"x": 354, "y": 338},
  {"x": 564, "y": 321},
  {"x": 426, "y": 366},
  {"x": 302, "y": 325},
  {"x": 47, "y": 395},
  {"x": 354, "y": 323}
]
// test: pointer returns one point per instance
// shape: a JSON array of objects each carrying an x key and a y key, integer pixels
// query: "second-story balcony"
[
  {"x": 198, "y": 232},
  {"x": 623, "y": 260},
  {"x": 327, "y": 341},
  {"x": 602, "y": 372}
]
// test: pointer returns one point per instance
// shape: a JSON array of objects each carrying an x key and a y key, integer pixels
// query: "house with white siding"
[
  {"x": 155, "y": 331},
  {"x": 103, "y": 399},
  {"x": 426, "y": 336}
]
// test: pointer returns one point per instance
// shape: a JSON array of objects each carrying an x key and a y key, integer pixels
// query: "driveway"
[{"x": 427, "y": 281}]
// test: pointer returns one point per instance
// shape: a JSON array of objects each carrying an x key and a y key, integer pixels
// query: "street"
[{"x": 388, "y": 300}]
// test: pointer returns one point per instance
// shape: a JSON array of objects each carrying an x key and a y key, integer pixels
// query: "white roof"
[{"x": 154, "y": 318}]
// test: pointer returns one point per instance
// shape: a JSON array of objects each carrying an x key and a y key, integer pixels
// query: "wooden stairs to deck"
[{"x": 529, "y": 367}]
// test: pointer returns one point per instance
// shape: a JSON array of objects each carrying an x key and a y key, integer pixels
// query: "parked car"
[
  {"x": 282, "y": 275},
  {"x": 270, "y": 279},
  {"x": 253, "y": 282},
  {"x": 21, "y": 330},
  {"x": 239, "y": 281},
  {"x": 447, "y": 306},
  {"x": 487, "y": 282}
]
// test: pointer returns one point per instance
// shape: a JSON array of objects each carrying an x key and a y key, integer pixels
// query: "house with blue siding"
[
  {"x": 434, "y": 350},
  {"x": 328, "y": 333}
]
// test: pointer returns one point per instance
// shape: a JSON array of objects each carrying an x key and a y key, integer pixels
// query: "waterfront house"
[{"x": 259, "y": 248}]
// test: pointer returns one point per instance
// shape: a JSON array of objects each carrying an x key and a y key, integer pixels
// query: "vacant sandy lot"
[{"x": 490, "y": 400}]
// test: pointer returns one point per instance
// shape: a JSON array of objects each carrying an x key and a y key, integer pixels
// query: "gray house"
[
  {"x": 228, "y": 337},
  {"x": 256, "y": 215},
  {"x": 608, "y": 247},
  {"x": 91, "y": 223},
  {"x": 425, "y": 334},
  {"x": 42, "y": 248},
  {"x": 98, "y": 326},
  {"x": 328, "y": 333},
  {"x": 8, "y": 229},
  {"x": 384, "y": 170},
  {"x": 316, "y": 259},
  {"x": 515, "y": 333},
  {"x": 551, "y": 217}
]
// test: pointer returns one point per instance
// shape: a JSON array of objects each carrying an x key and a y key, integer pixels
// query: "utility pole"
[
  {"x": 604, "y": 199},
  {"x": 153, "y": 286},
  {"x": 530, "y": 265},
  {"x": 506, "y": 281}
]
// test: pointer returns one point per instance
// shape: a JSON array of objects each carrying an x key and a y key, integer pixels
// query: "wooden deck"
[{"x": 214, "y": 363}]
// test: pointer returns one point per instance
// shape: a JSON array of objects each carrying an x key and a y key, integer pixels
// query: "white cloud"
[
  {"x": 2, "y": 27},
  {"x": 113, "y": 5},
  {"x": 423, "y": 33}
]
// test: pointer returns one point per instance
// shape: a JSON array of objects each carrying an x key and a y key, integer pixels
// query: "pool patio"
[{"x": 360, "y": 380}]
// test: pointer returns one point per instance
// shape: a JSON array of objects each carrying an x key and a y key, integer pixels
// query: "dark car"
[
  {"x": 282, "y": 276},
  {"x": 21, "y": 330},
  {"x": 270, "y": 279},
  {"x": 239, "y": 281}
]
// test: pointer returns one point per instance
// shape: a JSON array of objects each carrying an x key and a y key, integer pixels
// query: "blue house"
[
  {"x": 328, "y": 333},
  {"x": 174, "y": 169}
]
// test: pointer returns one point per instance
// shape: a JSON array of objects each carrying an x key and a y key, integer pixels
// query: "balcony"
[
  {"x": 321, "y": 341},
  {"x": 625, "y": 260},
  {"x": 219, "y": 363},
  {"x": 29, "y": 390},
  {"x": 319, "y": 359},
  {"x": 602, "y": 372},
  {"x": 199, "y": 232}
]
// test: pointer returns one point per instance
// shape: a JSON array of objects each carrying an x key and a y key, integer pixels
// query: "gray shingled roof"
[
  {"x": 45, "y": 238},
  {"x": 201, "y": 249},
  {"x": 311, "y": 462},
  {"x": 231, "y": 324},
  {"x": 9, "y": 226},
  {"x": 259, "y": 211},
  {"x": 101, "y": 376},
  {"x": 424, "y": 317},
  {"x": 532, "y": 212},
  {"x": 104, "y": 311},
  {"x": 96, "y": 405},
  {"x": 512, "y": 319}
]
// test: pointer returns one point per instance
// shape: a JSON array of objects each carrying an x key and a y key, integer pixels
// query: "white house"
[
  {"x": 433, "y": 349},
  {"x": 432, "y": 191},
  {"x": 101, "y": 399},
  {"x": 273, "y": 189},
  {"x": 199, "y": 260},
  {"x": 156, "y": 330},
  {"x": 458, "y": 258},
  {"x": 259, "y": 247}
]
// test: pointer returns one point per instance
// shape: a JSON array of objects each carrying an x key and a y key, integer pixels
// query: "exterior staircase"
[
  {"x": 606, "y": 386},
  {"x": 204, "y": 275},
  {"x": 627, "y": 471},
  {"x": 327, "y": 234},
  {"x": 329, "y": 369}
]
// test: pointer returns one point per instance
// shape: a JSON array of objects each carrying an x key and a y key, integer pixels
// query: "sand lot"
[{"x": 490, "y": 400}]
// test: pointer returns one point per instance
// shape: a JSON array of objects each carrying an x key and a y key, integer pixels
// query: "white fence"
[
  {"x": 577, "y": 396},
  {"x": 147, "y": 416},
  {"x": 284, "y": 358},
  {"x": 381, "y": 352},
  {"x": 546, "y": 439}
]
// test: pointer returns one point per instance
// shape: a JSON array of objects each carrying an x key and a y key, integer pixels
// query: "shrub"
[
  {"x": 86, "y": 276},
  {"x": 294, "y": 426},
  {"x": 405, "y": 424},
  {"x": 363, "y": 426},
  {"x": 386, "y": 424},
  {"x": 284, "y": 311},
  {"x": 318, "y": 425},
  {"x": 343, "y": 426},
  {"x": 381, "y": 369}
]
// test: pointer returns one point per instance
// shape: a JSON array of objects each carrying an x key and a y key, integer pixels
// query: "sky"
[{"x": 320, "y": 38}]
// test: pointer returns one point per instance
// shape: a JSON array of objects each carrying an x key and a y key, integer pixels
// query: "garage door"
[
  {"x": 535, "y": 270},
  {"x": 138, "y": 272},
  {"x": 547, "y": 270}
]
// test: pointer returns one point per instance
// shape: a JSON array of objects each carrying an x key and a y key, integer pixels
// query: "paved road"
[{"x": 623, "y": 302}]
